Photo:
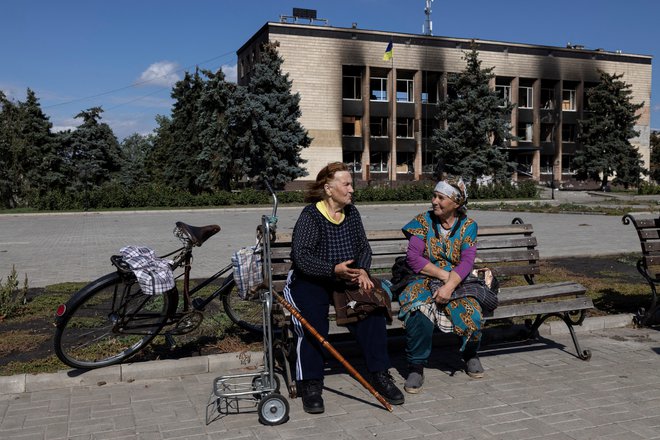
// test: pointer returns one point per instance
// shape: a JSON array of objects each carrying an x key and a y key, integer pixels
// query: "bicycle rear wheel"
[
  {"x": 247, "y": 314},
  {"x": 108, "y": 321}
]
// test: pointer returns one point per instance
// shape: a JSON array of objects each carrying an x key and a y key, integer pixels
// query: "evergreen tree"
[
  {"x": 604, "y": 134},
  {"x": 219, "y": 162},
  {"x": 477, "y": 125},
  {"x": 266, "y": 124},
  {"x": 92, "y": 152},
  {"x": 135, "y": 149},
  {"x": 42, "y": 158},
  {"x": 26, "y": 146},
  {"x": 183, "y": 148},
  {"x": 162, "y": 148},
  {"x": 9, "y": 129},
  {"x": 655, "y": 156}
]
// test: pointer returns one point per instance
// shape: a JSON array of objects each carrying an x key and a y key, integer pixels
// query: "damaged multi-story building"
[{"x": 378, "y": 115}]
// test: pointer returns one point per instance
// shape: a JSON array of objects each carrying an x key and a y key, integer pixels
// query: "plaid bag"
[
  {"x": 480, "y": 284},
  {"x": 153, "y": 274},
  {"x": 247, "y": 263}
]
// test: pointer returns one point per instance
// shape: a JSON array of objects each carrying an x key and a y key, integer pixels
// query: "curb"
[{"x": 130, "y": 372}]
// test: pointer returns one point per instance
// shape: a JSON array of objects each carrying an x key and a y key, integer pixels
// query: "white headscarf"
[{"x": 454, "y": 188}]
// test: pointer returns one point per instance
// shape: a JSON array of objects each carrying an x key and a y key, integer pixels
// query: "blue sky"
[{"x": 124, "y": 55}]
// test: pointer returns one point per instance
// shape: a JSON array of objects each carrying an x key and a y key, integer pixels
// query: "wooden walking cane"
[{"x": 324, "y": 342}]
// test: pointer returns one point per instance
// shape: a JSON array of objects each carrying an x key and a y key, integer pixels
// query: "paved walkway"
[{"x": 531, "y": 391}]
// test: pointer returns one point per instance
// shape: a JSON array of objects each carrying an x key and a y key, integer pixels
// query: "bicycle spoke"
[{"x": 108, "y": 321}]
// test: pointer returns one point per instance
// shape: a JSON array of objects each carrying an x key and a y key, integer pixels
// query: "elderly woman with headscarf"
[{"x": 441, "y": 250}]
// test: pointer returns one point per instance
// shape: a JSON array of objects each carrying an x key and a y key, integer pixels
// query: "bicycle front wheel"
[
  {"x": 109, "y": 321},
  {"x": 247, "y": 314}
]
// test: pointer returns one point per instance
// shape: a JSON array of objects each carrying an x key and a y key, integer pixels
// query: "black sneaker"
[
  {"x": 383, "y": 383},
  {"x": 310, "y": 391}
]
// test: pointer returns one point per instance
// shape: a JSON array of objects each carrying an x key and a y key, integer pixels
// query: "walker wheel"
[
  {"x": 273, "y": 409},
  {"x": 262, "y": 386}
]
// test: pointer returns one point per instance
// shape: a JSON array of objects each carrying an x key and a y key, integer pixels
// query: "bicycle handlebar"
[{"x": 272, "y": 193}]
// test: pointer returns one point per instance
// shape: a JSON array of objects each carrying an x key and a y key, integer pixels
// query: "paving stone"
[{"x": 530, "y": 393}]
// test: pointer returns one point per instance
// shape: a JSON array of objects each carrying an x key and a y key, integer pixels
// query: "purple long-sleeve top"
[{"x": 417, "y": 261}]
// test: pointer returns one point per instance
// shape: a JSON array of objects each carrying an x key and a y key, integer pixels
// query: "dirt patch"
[{"x": 26, "y": 340}]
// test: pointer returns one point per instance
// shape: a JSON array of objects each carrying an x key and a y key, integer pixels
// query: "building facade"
[{"x": 378, "y": 115}]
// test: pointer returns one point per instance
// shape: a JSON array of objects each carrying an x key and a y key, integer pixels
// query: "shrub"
[
  {"x": 118, "y": 195},
  {"x": 647, "y": 189},
  {"x": 11, "y": 298}
]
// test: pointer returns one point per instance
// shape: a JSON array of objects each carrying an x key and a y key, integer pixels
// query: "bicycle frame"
[{"x": 184, "y": 258}]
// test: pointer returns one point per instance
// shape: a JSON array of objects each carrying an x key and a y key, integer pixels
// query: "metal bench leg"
[
  {"x": 585, "y": 355},
  {"x": 567, "y": 317},
  {"x": 288, "y": 359},
  {"x": 645, "y": 317}
]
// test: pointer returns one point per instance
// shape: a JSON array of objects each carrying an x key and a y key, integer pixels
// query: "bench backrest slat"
[
  {"x": 509, "y": 250},
  {"x": 649, "y": 234},
  {"x": 651, "y": 246}
]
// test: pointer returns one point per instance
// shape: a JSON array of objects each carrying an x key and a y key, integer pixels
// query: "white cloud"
[
  {"x": 162, "y": 73},
  {"x": 59, "y": 128},
  {"x": 230, "y": 72}
]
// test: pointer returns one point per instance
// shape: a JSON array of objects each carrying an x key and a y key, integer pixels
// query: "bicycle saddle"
[{"x": 198, "y": 234}]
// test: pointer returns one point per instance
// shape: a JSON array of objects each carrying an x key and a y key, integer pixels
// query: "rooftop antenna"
[{"x": 427, "y": 29}]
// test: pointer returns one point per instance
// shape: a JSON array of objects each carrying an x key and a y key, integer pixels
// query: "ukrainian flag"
[{"x": 388, "y": 52}]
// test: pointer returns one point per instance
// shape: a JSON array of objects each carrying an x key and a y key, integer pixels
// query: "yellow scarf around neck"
[{"x": 324, "y": 210}]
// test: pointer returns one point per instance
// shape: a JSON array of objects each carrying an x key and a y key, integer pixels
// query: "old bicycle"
[{"x": 110, "y": 319}]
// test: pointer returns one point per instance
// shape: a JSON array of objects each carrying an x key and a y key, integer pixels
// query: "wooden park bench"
[
  {"x": 647, "y": 226},
  {"x": 509, "y": 251}
]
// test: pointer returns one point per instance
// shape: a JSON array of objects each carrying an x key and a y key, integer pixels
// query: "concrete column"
[
  {"x": 392, "y": 120},
  {"x": 515, "y": 84},
  {"x": 580, "y": 100},
  {"x": 556, "y": 168},
  {"x": 417, "y": 125},
  {"x": 536, "y": 129},
  {"x": 366, "y": 129}
]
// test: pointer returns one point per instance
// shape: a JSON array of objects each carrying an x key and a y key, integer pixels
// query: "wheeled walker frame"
[{"x": 260, "y": 388}]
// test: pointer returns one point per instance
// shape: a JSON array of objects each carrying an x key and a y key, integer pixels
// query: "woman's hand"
[
  {"x": 364, "y": 281},
  {"x": 442, "y": 294},
  {"x": 358, "y": 276}
]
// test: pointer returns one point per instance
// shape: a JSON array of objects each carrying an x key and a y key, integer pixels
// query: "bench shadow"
[{"x": 527, "y": 345}]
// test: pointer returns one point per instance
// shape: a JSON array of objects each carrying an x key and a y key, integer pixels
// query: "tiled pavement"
[{"x": 530, "y": 391}]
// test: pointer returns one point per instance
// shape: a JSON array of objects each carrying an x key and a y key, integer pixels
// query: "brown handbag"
[{"x": 353, "y": 303}]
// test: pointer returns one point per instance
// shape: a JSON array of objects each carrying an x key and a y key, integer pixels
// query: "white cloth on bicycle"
[{"x": 154, "y": 274}]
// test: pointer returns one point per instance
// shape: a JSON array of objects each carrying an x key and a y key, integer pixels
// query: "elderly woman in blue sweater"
[{"x": 330, "y": 251}]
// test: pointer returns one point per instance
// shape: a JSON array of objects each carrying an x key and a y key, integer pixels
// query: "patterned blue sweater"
[{"x": 318, "y": 245}]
